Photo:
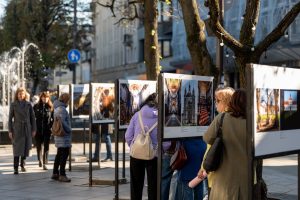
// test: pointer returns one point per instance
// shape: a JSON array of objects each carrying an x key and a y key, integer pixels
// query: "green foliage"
[{"x": 43, "y": 22}]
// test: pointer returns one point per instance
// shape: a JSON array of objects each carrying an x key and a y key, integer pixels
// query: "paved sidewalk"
[{"x": 279, "y": 173}]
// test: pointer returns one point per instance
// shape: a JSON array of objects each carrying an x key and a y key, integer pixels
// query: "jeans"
[
  {"x": 166, "y": 176},
  {"x": 184, "y": 192},
  {"x": 107, "y": 141}
]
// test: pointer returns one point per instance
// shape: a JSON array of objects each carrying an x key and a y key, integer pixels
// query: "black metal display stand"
[
  {"x": 254, "y": 81},
  {"x": 118, "y": 132}
]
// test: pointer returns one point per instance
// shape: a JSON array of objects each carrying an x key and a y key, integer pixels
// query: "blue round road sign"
[{"x": 74, "y": 55}]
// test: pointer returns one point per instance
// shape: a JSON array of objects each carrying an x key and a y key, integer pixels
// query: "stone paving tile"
[{"x": 279, "y": 174}]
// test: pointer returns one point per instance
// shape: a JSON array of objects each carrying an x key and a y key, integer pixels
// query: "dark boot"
[
  {"x": 46, "y": 157},
  {"x": 23, "y": 164},
  {"x": 16, "y": 164}
]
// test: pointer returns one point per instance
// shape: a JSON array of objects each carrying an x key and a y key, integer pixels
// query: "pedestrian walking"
[
  {"x": 44, "y": 119},
  {"x": 22, "y": 127}
]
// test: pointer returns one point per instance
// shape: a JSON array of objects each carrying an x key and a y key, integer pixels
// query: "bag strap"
[
  {"x": 142, "y": 124},
  {"x": 220, "y": 126},
  {"x": 152, "y": 127}
]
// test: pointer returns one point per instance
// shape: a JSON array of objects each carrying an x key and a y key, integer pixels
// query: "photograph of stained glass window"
[
  {"x": 205, "y": 109},
  {"x": 172, "y": 102}
]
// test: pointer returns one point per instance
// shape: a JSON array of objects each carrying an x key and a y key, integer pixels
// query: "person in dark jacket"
[
  {"x": 64, "y": 143},
  {"x": 44, "y": 119},
  {"x": 22, "y": 127}
]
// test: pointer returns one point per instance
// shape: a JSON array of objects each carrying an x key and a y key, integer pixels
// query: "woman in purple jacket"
[{"x": 138, "y": 166}]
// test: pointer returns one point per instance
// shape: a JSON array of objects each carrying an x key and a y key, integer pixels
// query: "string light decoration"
[
  {"x": 222, "y": 42},
  {"x": 226, "y": 54},
  {"x": 286, "y": 35}
]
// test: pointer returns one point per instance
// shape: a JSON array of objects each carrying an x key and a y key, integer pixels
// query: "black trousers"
[
  {"x": 17, "y": 160},
  {"x": 61, "y": 160},
  {"x": 137, "y": 176},
  {"x": 42, "y": 147}
]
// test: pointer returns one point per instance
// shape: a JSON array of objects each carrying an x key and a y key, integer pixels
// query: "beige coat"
[{"x": 230, "y": 180}]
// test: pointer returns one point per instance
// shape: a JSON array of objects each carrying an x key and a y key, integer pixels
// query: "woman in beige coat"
[{"x": 230, "y": 180}]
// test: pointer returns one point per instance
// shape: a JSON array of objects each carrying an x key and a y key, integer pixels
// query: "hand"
[
  {"x": 10, "y": 135},
  {"x": 202, "y": 174},
  {"x": 33, "y": 133}
]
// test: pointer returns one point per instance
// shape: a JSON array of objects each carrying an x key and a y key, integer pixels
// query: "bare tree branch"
[
  {"x": 247, "y": 33},
  {"x": 216, "y": 27},
  {"x": 278, "y": 32},
  {"x": 135, "y": 16},
  {"x": 110, "y": 6}
]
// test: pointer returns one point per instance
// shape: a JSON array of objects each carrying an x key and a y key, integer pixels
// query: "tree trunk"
[
  {"x": 241, "y": 62},
  {"x": 196, "y": 39},
  {"x": 151, "y": 50}
]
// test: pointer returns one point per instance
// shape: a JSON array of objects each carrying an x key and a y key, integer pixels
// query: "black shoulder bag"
[{"x": 213, "y": 157}]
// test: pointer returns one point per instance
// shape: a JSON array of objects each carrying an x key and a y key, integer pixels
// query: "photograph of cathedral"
[
  {"x": 103, "y": 100},
  {"x": 131, "y": 94},
  {"x": 205, "y": 99},
  {"x": 80, "y": 101},
  {"x": 189, "y": 106}
]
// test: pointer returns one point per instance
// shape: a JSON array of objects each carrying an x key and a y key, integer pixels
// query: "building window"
[
  {"x": 164, "y": 11},
  {"x": 164, "y": 47}
]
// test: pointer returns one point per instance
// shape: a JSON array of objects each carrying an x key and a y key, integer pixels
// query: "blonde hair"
[
  {"x": 224, "y": 95},
  {"x": 65, "y": 97},
  {"x": 21, "y": 89}
]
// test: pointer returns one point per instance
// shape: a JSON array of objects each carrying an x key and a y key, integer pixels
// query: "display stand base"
[{"x": 108, "y": 182}]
